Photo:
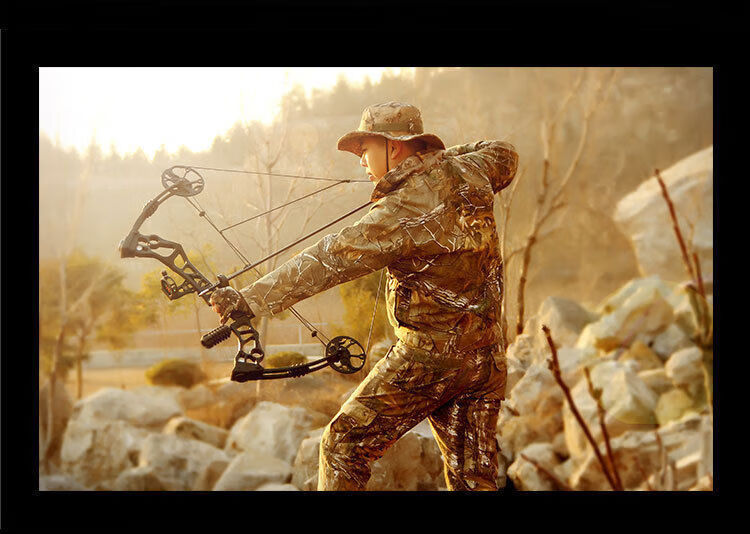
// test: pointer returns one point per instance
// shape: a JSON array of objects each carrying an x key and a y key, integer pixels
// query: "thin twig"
[
  {"x": 676, "y": 227},
  {"x": 560, "y": 484},
  {"x": 554, "y": 365},
  {"x": 644, "y": 475},
  {"x": 601, "y": 413}
]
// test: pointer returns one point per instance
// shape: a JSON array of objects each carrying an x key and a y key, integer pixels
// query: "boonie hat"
[{"x": 392, "y": 120}]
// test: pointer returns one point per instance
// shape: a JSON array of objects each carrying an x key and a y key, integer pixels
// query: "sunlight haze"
[{"x": 124, "y": 108}]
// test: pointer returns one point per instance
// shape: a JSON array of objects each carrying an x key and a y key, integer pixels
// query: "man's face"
[{"x": 373, "y": 157}]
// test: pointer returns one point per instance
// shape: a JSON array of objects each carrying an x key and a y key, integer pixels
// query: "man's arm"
[
  {"x": 402, "y": 224},
  {"x": 497, "y": 160}
]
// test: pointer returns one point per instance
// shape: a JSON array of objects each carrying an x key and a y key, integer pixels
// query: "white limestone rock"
[
  {"x": 192, "y": 429},
  {"x": 565, "y": 319},
  {"x": 196, "y": 397},
  {"x": 146, "y": 407},
  {"x": 643, "y": 215},
  {"x": 636, "y": 450},
  {"x": 639, "y": 310},
  {"x": 96, "y": 450},
  {"x": 656, "y": 380},
  {"x": 250, "y": 470},
  {"x": 526, "y": 476},
  {"x": 670, "y": 340},
  {"x": 628, "y": 402},
  {"x": 177, "y": 461},
  {"x": 685, "y": 369},
  {"x": 140, "y": 478},
  {"x": 274, "y": 429},
  {"x": 672, "y": 405},
  {"x": 60, "y": 482}
]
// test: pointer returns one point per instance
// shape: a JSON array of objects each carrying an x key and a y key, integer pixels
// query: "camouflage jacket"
[{"x": 432, "y": 225}]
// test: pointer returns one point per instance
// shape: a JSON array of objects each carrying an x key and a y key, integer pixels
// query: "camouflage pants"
[{"x": 460, "y": 394}]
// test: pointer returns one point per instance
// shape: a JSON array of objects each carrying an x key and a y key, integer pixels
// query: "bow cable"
[{"x": 248, "y": 265}]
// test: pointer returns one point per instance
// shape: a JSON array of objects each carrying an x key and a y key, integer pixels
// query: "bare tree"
[
  {"x": 549, "y": 199},
  {"x": 66, "y": 310}
]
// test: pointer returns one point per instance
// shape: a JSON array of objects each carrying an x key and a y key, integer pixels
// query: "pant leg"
[
  {"x": 466, "y": 426},
  {"x": 400, "y": 391}
]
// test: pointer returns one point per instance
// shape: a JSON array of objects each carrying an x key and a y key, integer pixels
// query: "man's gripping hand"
[{"x": 226, "y": 301}]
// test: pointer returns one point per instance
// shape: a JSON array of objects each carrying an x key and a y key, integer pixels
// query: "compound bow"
[{"x": 343, "y": 353}]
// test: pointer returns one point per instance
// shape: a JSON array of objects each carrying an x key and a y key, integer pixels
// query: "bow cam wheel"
[
  {"x": 183, "y": 185},
  {"x": 346, "y": 353}
]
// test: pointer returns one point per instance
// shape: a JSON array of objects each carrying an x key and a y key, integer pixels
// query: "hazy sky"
[{"x": 154, "y": 106}]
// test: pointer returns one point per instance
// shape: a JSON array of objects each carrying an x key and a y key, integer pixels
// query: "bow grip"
[{"x": 216, "y": 336}]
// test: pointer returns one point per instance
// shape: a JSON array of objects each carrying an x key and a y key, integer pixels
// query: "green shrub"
[
  {"x": 284, "y": 359},
  {"x": 175, "y": 372}
]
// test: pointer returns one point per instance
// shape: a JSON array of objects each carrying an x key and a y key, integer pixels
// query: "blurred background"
[{"x": 586, "y": 137}]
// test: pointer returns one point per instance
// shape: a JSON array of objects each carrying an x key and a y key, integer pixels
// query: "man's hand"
[{"x": 227, "y": 300}]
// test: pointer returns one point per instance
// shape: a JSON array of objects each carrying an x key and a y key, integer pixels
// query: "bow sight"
[{"x": 343, "y": 353}]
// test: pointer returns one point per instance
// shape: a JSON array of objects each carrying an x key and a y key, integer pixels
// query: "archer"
[{"x": 432, "y": 227}]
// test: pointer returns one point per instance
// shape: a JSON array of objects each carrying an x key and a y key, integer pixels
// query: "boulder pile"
[
  {"x": 648, "y": 371},
  {"x": 142, "y": 440}
]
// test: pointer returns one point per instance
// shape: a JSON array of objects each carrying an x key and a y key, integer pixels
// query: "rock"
[
  {"x": 525, "y": 350},
  {"x": 640, "y": 353},
  {"x": 274, "y": 429},
  {"x": 234, "y": 390},
  {"x": 671, "y": 340},
  {"x": 572, "y": 360},
  {"x": 305, "y": 467},
  {"x": 413, "y": 463},
  {"x": 559, "y": 445},
  {"x": 515, "y": 371},
  {"x": 685, "y": 369},
  {"x": 192, "y": 429},
  {"x": 196, "y": 397},
  {"x": 176, "y": 461},
  {"x": 60, "y": 482},
  {"x": 640, "y": 310},
  {"x": 672, "y": 405},
  {"x": 96, "y": 450},
  {"x": 210, "y": 475},
  {"x": 644, "y": 216},
  {"x": 532, "y": 413},
  {"x": 622, "y": 296},
  {"x": 250, "y": 470},
  {"x": 145, "y": 407},
  {"x": 526, "y": 476},
  {"x": 62, "y": 410},
  {"x": 275, "y": 486},
  {"x": 628, "y": 402},
  {"x": 637, "y": 454},
  {"x": 565, "y": 318},
  {"x": 537, "y": 387},
  {"x": 656, "y": 380},
  {"x": 706, "y": 483},
  {"x": 140, "y": 478}
]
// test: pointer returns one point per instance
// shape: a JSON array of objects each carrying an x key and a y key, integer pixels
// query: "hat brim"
[{"x": 352, "y": 142}]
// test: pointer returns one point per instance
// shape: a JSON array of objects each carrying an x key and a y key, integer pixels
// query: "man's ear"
[{"x": 396, "y": 148}]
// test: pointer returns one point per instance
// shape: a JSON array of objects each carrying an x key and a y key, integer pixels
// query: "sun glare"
[{"x": 126, "y": 108}]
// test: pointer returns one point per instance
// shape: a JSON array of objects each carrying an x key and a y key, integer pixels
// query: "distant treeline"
[{"x": 651, "y": 118}]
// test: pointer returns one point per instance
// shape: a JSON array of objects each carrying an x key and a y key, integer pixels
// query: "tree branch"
[{"x": 554, "y": 365}]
